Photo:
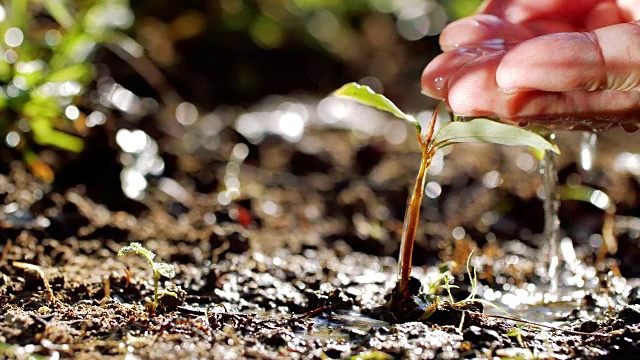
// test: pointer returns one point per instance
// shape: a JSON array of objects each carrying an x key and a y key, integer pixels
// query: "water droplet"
[
  {"x": 13, "y": 37},
  {"x": 186, "y": 113},
  {"x": 12, "y": 139},
  {"x": 72, "y": 112},
  {"x": 438, "y": 82}
]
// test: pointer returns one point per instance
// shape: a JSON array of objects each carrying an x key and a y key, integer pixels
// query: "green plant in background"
[
  {"x": 46, "y": 47},
  {"x": 159, "y": 269},
  {"x": 405, "y": 298}
]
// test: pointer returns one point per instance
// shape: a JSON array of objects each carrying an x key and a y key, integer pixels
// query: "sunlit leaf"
[
  {"x": 513, "y": 333},
  {"x": 430, "y": 309},
  {"x": 165, "y": 269},
  {"x": 372, "y": 355},
  {"x": 78, "y": 72},
  {"x": 45, "y": 134},
  {"x": 138, "y": 249},
  {"x": 365, "y": 95},
  {"x": 166, "y": 292},
  {"x": 586, "y": 194},
  {"x": 489, "y": 131},
  {"x": 59, "y": 11}
]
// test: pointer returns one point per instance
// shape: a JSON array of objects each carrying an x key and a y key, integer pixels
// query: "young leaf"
[
  {"x": 513, "y": 332},
  {"x": 586, "y": 194},
  {"x": 489, "y": 131},
  {"x": 138, "y": 249},
  {"x": 165, "y": 269},
  {"x": 365, "y": 95}
]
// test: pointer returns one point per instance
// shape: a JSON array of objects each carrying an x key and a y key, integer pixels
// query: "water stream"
[
  {"x": 588, "y": 150},
  {"x": 551, "y": 220}
]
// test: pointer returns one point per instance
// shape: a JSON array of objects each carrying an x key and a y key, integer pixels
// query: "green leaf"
[
  {"x": 489, "y": 131},
  {"x": 60, "y": 13},
  {"x": 372, "y": 355},
  {"x": 77, "y": 72},
  {"x": 586, "y": 194},
  {"x": 136, "y": 248},
  {"x": 513, "y": 333},
  {"x": 45, "y": 134},
  {"x": 365, "y": 95},
  {"x": 167, "y": 292},
  {"x": 165, "y": 269}
]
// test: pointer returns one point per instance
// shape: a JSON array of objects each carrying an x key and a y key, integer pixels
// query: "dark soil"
[{"x": 299, "y": 264}]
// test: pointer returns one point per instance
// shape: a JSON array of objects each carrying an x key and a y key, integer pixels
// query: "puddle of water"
[{"x": 340, "y": 324}]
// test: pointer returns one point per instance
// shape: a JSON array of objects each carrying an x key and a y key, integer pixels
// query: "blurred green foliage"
[
  {"x": 239, "y": 45},
  {"x": 461, "y": 8},
  {"x": 45, "y": 66}
]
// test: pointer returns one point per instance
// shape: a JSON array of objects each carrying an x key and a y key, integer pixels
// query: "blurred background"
[
  {"x": 113, "y": 94},
  {"x": 238, "y": 51}
]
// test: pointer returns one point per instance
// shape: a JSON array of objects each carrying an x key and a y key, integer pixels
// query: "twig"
[
  {"x": 314, "y": 312},
  {"x": 107, "y": 292},
  {"x": 38, "y": 270}
]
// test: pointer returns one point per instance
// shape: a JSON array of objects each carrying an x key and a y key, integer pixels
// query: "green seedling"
[
  {"x": 158, "y": 268},
  {"x": 474, "y": 131},
  {"x": 603, "y": 202}
]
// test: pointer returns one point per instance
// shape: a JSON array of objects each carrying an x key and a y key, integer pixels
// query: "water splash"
[{"x": 551, "y": 219}]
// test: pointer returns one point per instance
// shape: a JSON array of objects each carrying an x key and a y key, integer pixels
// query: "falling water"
[
  {"x": 551, "y": 220},
  {"x": 588, "y": 150}
]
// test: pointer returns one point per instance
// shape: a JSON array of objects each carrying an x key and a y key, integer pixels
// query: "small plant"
[
  {"x": 46, "y": 67},
  {"x": 407, "y": 299},
  {"x": 158, "y": 268}
]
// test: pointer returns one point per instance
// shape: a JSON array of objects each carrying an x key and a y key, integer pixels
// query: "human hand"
[{"x": 559, "y": 63}]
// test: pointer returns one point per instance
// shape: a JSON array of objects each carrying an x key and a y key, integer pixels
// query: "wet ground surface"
[{"x": 284, "y": 242}]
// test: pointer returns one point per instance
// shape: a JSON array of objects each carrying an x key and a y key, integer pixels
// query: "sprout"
[
  {"x": 474, "y": 131},
  {"x": 158, "y": 268}
]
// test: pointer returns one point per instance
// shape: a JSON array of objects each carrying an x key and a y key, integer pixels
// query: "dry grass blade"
[{"x": 38, "y": 270}]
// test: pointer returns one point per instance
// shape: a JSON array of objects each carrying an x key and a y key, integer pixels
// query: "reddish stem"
[{"x": 412, "y": 215}]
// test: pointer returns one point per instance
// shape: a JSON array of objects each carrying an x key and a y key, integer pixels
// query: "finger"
[
  {"x": 630, "y": 9},
  {"x": 437, "y": 73},
  {"x": 607, "y": 58},
  {"x": 518, "y": 11},
  {"x": 474, "y": 92},
  {"x": 482, "y": 28},
  {"x": 576, "y": 110},
  {"x": 604, "y": 14},
  {"x": 550, "y": 26}
]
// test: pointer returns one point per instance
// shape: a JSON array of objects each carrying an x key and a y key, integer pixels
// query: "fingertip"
[
  {"x": 604, "y": 14},
  {"x": 436, "y": 74},
  {"x": 481, "y": 28},
  {"x": 507, "y": 77},
  {"x": 472, "y": 91}
]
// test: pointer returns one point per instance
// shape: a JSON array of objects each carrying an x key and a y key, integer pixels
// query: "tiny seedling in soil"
[
  {"x": 158, "y": 269},
  {"x": 407, "y": 301}
]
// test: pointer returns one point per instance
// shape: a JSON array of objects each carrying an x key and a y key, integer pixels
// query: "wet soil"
[{"x": 300, "y": 263}]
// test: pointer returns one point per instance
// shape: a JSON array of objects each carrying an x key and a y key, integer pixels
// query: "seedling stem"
[{"x": 412, "y": 215}]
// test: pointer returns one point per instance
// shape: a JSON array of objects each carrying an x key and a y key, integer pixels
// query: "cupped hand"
[{"x": 558, "y": 63}]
